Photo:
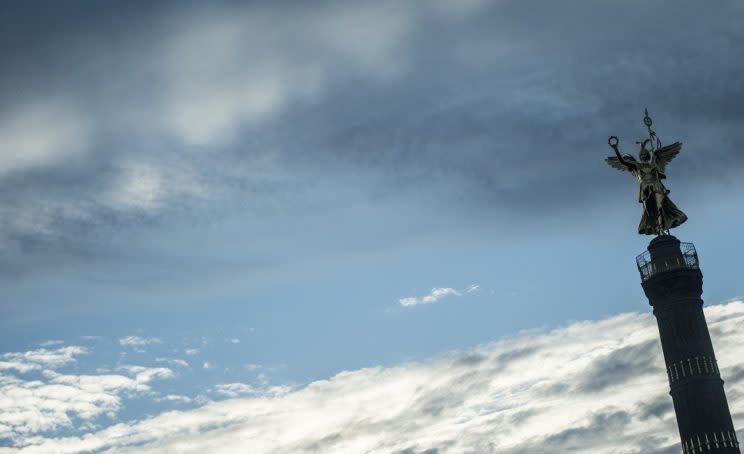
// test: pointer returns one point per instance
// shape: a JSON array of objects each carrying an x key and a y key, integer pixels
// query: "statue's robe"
[{"x": 671, "y": 215}]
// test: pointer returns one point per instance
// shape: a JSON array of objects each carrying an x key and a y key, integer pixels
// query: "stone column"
[{"x": 673, "y": 284}]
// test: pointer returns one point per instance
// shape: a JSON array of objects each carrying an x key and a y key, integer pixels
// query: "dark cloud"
[
  {"x": 604, "y": 432},
  {"x": 414, "y": 451},
  {"x": 502, "y": 108},
  {"x": 605, "y": 423},
  {"x": 471, "y": 359},
  {"x": 620, "y": 365},
  {"x": 514, "y": 354},
  {"x": 671, "y": 449},
  {"x": 735, "y": 374},
  {"x": 658, "y": 408}
]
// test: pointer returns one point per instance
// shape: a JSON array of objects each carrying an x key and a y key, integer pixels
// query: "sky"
[{"x": 374, "y": 227}]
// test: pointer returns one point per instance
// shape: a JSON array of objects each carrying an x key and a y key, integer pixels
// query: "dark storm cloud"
[
  {"x": 527, "y": 129},
  {"x": 501, "y": 107}
]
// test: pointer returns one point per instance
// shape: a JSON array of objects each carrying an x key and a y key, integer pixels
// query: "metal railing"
[{"x": 687, "y": 259}]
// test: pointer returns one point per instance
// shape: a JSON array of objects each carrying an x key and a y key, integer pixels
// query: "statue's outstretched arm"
[
  {"x": 613, "y": 142},
  {"x": 619, "y": 156}
]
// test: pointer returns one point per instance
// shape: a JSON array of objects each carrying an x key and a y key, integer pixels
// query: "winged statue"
[{"x": 659, "y": 212}]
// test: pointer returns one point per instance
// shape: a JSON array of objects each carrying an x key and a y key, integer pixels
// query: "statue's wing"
[
  {"x": 614, "y": 162},
  {"x": 664, "y": 155}
]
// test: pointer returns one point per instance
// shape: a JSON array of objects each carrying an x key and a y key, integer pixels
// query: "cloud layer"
[
  {"x": 590, "y": 387},
  {"x": 390, "y": 112}
]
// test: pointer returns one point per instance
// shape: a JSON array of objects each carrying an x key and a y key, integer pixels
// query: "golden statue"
[{"x": 659, "y": 213}]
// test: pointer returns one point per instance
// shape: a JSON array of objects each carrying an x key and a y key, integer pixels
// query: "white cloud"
[
  {"x": 18, "y": 366},
  {"x": 54, "y": 401},
  {"x": 211, "y": 90},
  {"x": 138, "y": 187},
  {"x": 40, "y": 359},
  {"x": 235, "y": 389},
  {"x": 590, "y": 387},
  {"x": 147, "y": 374},
  {"x": 40, "y": 133},
  {"x": 51, "y": 343},
  {"x": 174, "y": 398},
  {"x": 191, "y": 351},
  {"x": 437, "y": 294},
  {"x": 145, "y": 186},
  {"x": 472, "y": 288},
  {"x": 246, "y": 390},
  {"x": 137, "y": 343},
  {"x": 173, "y": 361}
]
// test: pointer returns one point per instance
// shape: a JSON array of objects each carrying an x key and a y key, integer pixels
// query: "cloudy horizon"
[
  {"x": 234, "y": 209},
  {"x": 590, "y": 386}
]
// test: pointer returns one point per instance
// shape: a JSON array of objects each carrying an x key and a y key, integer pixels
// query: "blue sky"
[{"x": 234, "y": 201}]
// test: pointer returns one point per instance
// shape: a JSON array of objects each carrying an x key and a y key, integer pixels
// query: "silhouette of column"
[{"x": 673, "y": 283}]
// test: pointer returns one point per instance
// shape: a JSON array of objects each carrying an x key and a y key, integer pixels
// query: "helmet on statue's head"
[{"x": 643, "y": 154}]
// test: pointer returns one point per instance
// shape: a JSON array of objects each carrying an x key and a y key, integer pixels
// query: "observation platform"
[{"x": 666, "y": 253}]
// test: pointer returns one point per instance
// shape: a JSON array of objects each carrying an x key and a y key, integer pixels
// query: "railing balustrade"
[{"x": 687, "y": 259}]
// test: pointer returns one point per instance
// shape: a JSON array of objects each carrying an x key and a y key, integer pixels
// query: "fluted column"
[{"x": 673, "y": 283}]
